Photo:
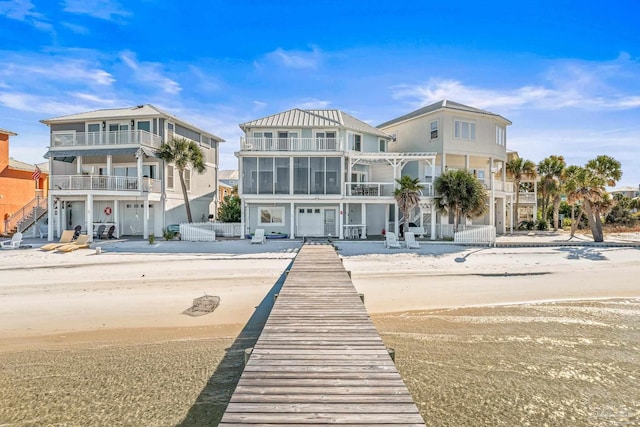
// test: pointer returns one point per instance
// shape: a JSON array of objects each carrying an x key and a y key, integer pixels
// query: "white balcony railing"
[
  {"x": 107, "y": 138},
  {"x": 104, "y": 183},
  {"x": 291, "y": 144},
  {"x": 380, "y": 189}
]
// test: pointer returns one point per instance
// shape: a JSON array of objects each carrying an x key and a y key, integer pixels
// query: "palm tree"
[
  {"x": 520, "y": 169},
  {"x": 407, "y": 196},
  {"x": 588, "y": 184},
  {"x": 569, "y": 178},
  {"x": 462, "y": 194},
  {"x": 551, "y": 172},
  {"x": 183, "y": 153}
]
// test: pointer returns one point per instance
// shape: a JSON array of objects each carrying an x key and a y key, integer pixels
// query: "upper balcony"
[
  {"x": 291, "y": 144},
  {"x": 101, "y": 183},
  {"x": 65, "y": 139}
]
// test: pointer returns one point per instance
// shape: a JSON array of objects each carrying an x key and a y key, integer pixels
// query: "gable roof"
[
  {"x": 18, "y": 165},
  {"x": 228, "y": 174},
  {"x": 139, "y": 111},
  {"x": 444, "y": 104},
  {"x": 298, "y": 118}
]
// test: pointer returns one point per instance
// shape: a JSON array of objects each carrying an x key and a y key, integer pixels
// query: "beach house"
[
  {"x": 459, "y": 137},
  {"x": 22, "y": 189},
  {"x": 308, "y": 173},
  {"x": 105, "y": 171}
]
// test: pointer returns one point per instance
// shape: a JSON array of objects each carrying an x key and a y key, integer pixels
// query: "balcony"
[
  {"x": 291, "y": 144},
  {"x": 381, "y": 189},
  {"x": 63, "y": 139},
  {"x": 104, "y": 183}
]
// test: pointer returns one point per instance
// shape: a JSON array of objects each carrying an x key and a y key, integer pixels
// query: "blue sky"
[{"x": 566, "y": 73}]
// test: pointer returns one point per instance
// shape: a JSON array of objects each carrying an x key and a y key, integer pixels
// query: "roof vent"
[{"x": 140, "y": 106}]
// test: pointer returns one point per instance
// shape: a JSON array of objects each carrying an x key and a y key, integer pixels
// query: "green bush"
[
  {"x": 566, "y": 223},
  {"x": 168, "y": 234},
  {"x": 542, "y": 225},
  {"x": 152, "y": 239}
]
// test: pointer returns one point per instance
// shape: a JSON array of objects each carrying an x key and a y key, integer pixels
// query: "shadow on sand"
[
  {"x": 591, "y": 254},
  {"x": 212, "y": 401}
]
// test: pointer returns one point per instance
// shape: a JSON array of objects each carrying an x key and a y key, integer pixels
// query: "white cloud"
[
  {"x": 45, "y": 68},
  {"x": 49, "y": 105},
  {"x": 259, "y": 105},
  {"x": 24, "y": 10},
  {"x": 150, "y": 74},
  {"x": 108, "y": 10},
  {"x": 313, "y": 104},
  {"x": 78, "y": 29},
  {"x": 566, "y": 84},
  {"x": 296, "y": 58}
]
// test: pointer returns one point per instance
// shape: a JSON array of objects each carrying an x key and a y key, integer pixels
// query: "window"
[
  {"x": 145, "y": 125},
  {"x": 170, "y": 172},
  {"x": 326, "y": 140},
  {"x": 500, "y": 135},
  {"x": 250, "y": 175},
  {"x": 93, "y": 133},
  {"x": 382, "y": 145},
  {"x": 271, "y": 215},
  {"x": 464, "y": 130},
  {"x": 187, "y": 179},
  {"x": 357, "y": 142},
  {"x": 434, "y": 129}
]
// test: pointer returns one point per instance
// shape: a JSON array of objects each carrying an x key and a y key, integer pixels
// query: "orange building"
[{"x": 19, "y": 188}]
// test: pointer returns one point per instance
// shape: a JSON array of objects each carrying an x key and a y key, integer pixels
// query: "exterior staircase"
[{"x": 26, "y": 216}]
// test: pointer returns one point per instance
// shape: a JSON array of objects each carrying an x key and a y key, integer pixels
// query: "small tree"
[
  {"x": 462, "y": 194},
  {"x": 229, "y": 210},
  {"x": 183, "y": 153},
  {"x": 407, "y": 196},
  {"x": 520, "y": 169}
]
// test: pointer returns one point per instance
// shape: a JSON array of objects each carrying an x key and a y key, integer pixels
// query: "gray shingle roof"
[
  {"x": 297, "y": 118},
  {"x": 451, "y": 105},
  {"x": 140, "y": 111}
]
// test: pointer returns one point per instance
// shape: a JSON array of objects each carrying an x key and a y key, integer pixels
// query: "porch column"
[
  {"x": 243, "y": 230},
  {"x": 116, "y": 217},
  {"x": 139, "y": 167},
  {"x": 466, "y": 162},
  {"x": 109, "y": 164},
  {"x": 292, "y": 217},
  {"x": 433, "y": 221},
  {"x": 89, "y": 215},
  {"x": 503, "y": 207},
  {"x": 79, "y": 165},
  {"x": 145, "y": 221},
  {"x": 492, "y": 202},
  {"x": 443, "y": 163},
  {"x": 364, "y": 221},
  {"x": 341, "y": 222},
  {"x": 50, "y": 218},
  {"x": 511, "y": 214},
  {"x": 396, "y": 226}
]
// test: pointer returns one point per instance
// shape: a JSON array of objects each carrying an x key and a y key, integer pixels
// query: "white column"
[
  {"x": 79, "y": 165},
  {"x": 292, "y": 217},
  {"x": 50, "y": 217},
  {"x": 89, "y": 216},
  {"x": 364, "y": 221},
  {"x": 386, "y": 217},
  {"x": 145, "y": 220},
  {"x": 535, "y": 200},
  {"x": 116, "y": 218},
  {"x": 492, "y": 201},
  {"x": 139, "y": 166},
  {"x": 396, "y": 226},
  {"x": 341, "y": 222},
  {"x": 109, "y": 164},
  {"x": 243, "y": 229},
  {"x": 466, "y": 162},
  {"x": 433, "y": 221}
]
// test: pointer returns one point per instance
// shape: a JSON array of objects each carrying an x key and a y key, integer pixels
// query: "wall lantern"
[{"x": 104, "y": 125}]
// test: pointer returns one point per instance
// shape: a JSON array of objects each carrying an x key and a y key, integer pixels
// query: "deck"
[{"x": 319, "y": 359}]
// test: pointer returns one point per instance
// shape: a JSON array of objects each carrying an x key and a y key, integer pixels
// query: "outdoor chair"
[
  {"x": 258, "y": 237},
  {"x": 77, "y": 230},
  {"x": 65, "y": 239},
  {"x": 81, "y": 242},
  {"x": 14, "y": 243},
  {"x": 110, "y": 232},
  {"x": 391, "y": 241},
  {"x": 410, "y": 240},
  {"x": 100, "y": 231}
]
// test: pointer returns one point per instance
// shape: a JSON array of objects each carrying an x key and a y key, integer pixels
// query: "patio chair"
[
  {"x": 100, "y": 231},
  {"x": 76, "y": 231},
  {"x": 258, "y": 237},
  {"x": 81, "y": 243},
  {"x": 110, "y": 232},
  {"x": 14, "y": 243},
  {"x": 410, "y": 240},
  {"x": 391, "y": 241},
  {"x": 65, "y": 239}
]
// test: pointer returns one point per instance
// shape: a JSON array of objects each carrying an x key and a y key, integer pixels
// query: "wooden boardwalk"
[{"x": 319, "y": 359}]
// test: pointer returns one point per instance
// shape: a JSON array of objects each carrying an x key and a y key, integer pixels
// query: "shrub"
[
  {"x": 152, "y": 239},
  {"x": 542, "y": 225},
  {"x": 168, "y": 234}
]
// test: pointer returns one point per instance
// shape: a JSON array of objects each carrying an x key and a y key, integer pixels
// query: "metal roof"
[
  {"x": 444, "y": 104},
  {"x": 228, "y": 174},
  {"x": 140, "y": 111},
  {"x": 17, "y": 164},
  {"x": 297, "y": 118}
]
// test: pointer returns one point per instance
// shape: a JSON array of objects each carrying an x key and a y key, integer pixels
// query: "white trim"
[{"x": 173, "y": 177}]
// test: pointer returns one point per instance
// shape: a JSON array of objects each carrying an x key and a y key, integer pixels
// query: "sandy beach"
[{"x": 100, "y": 339}]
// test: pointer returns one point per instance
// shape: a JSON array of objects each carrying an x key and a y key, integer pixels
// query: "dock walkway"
[{"x": 319, "y": 359}]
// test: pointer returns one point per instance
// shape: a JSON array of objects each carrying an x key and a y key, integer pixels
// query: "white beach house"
[{"x": 105, "y": 170}]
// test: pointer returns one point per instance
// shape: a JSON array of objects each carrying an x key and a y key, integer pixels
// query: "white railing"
[
  {"x": 481, "y": 235},
  {"x": 106, "y": 138},
  {"x": 198, "y": 232},
  {"x": 369, "y": 189},
  {"x": 228, "y": 229},
  {"x": 503, "y": 186},
  {"x": 291, "y": 144},
  {"x": 526, "y": 198},
  {"x": 106, "y": 183}
]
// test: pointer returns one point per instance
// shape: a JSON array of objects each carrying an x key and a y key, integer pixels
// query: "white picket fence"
[
  {"x": 198, "y": 232},
  {"x": 481, "y": 235},
  {"x": 207, "y": 231}
]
